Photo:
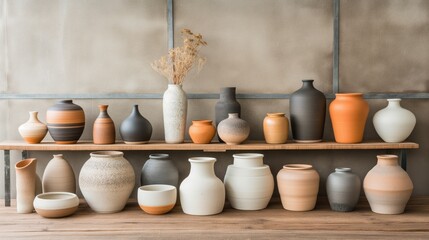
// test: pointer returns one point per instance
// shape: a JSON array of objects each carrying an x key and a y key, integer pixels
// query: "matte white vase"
[
  {"x": 33, "y": 131},
  {"x": 58, "y": 176},
  {"x": 106, "y": 181},
  {"x": 174, "y": 106},
  {"x": 248, "y": 182},
  {"x": 202, "y": 193},
  {"x": 394, "y": 123}
]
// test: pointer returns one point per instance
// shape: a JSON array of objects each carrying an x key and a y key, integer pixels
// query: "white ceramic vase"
[
  {"x": 59, "y": 176},
  {"x": 248, "y": 182},
  {"x": 106, "y": 181},
  {"x": 202, "y": 193},
  {"x": 394, "y": 123},
  {"x": 174, "y": 106},
  {"x": 33, "y": 131}
]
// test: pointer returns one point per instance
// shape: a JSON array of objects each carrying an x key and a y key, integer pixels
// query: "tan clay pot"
[
  {"x": 33, "y": 131},
  {"x": 103, "y": 131},
  {"x": 25, "y": 185},
  {"x": 58, "y": 176},
  {"x": 387, "y": 186},
  {"x": 202, "y": 131},
  {"x": 276, "y": 128},
  {"x": 348, "y": 112},
  {"x": 298, "y": 187}
]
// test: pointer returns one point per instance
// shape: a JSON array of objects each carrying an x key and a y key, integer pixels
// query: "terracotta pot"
[
  {"x": 202, "y": 131},
  {"x": 103, "y": 131},
  {"x": 349, "y": 112},
  {"x": 159, "y": 169},
  {"x": 387, "y": 186},
  {"x": 175, "y": 110},
  {"x": 25, "y": 185},
  {"x": 135, "y": 129},
  {"x": 65, "y": 121},
  {"x": 59, "y": 176},
  {"x": 233, "y": 130},
  {"x": 276, "y": 128},
  {"x": 33, "y": 131},
  {"x": 298, "y": 187},
  {"x": 227, "y": 104}
]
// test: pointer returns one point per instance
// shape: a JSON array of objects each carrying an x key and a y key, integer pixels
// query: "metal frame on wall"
[{"x": 170, "y": 30}]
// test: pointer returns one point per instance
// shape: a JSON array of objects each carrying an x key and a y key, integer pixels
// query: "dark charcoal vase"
[
  {"x": 135, "y": 129},
  {"x": 65, "y": 121},
  {"x": 307, "y": 113},
  {"x": 227, "y": 104},
  {"x": 343, "y": 189},
  {"x": 159, "y": 169}
]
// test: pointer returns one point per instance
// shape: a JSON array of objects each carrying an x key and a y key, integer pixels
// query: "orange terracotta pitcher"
[
  {"x": 202, "y": 131},
  {"x": 348, "y": 112}
]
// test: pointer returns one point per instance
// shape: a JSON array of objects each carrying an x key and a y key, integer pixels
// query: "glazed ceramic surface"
[
  {"x": 298, "y": 187},
  {"x": 307, "y": 113},
  {"x": 33, "y": 131},
  {"x": 56, "y": 204},
  {"x": 103, "y": 131},
  {"x": 233, "y": 130},
  {"x": 387, "y": 186},
  {"x": 175, "y": 108},
  {"x": 159, "y": 169},
  {"x": 394, "y": 123},
  {"x": 106, "y": 181},
  {"x": 248, "y": 182},
  {"x": 202, "y": 193},
  {"x": 343, "y": 189},
  {"x": 65, "y": 121},
  {"x": 25, "y": 185},
  {"x": 227, "y": 104},
  {"x": 349, "y": 112},
  {"x": 58, "y": 176},
  {"x": 276, "y": 128},
  {"x": 135, "y": 129},
  {"x": 202, "y": 131},
  {"x": 157, "y": 199}
]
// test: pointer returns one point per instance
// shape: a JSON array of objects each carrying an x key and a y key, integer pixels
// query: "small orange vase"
[
  {"x": 348, "y": 112},
  {"x": 202, "y": 131},
  {"x": 276, "y": 128}
]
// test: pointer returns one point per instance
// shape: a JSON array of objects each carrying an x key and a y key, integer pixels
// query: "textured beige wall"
[{"x": 260, "y": 46}]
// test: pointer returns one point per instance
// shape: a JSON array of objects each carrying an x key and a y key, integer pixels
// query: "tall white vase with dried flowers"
[{"x": 179, "y": 63}]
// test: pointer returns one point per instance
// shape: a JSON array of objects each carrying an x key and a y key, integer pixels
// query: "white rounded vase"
[{"x": 174, "y": 107}]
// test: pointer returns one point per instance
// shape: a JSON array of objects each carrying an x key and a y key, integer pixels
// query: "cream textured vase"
[
  {"x": 25, "y": 185},
  {"x": 387, "y": 186},
  {"x": 174, "y": 106},
  {"x": 202, "y": 193},
  {"x": 59, "y": 176},
  {"x": 233, "y": 130},
  {"x": 394, "y": 123},
  {"x": 33, "y": 131},
  {"x": 248, "y": 182},
  {"x": 106, "y": 181}
]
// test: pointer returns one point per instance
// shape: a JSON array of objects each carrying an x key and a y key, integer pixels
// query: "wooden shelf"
[
  {"x": 212, "y": 147},
  {"x": 271, "y": 223}
]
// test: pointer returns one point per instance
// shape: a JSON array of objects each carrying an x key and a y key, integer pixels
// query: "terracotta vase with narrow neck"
[
  {"x": 202, "y": 131},
  {"x": 25, "y": 185},
  {"x": 104, "y": 128},
  {"x": 33, "y": 131}
]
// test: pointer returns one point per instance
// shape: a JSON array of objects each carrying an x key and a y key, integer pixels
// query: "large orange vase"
[{"x": 348, "y": 112}]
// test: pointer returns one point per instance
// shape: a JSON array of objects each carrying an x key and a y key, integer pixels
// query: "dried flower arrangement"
[{"x": 181, "y": 60}]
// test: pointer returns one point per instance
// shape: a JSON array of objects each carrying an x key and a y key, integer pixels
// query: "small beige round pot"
[
  {"x": 56, "y": 204},
  {"x": 157, "y": 199}
]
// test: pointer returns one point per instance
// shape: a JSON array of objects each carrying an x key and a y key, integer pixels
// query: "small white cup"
[{"x": 157, "y": 198}]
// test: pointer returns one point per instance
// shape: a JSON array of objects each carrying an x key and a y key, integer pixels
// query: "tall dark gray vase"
[
  {"x": 343, "y": 189},
  {"x": 307, "y": 113},
  {"x": 135, "y": 129},
  {"x": 159, "y": 169},
  {"x": 227, "y": 104}
]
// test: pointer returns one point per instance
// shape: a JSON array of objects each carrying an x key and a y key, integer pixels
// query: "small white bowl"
[
  {"x": 56, "y": 204},
  {"x": 157, "y": 198}
]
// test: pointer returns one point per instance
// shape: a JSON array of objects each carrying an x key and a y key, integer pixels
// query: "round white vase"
[
  {"x": 394, "y": 123},
  {"x": 248, "y": 182},
  {"x": 202, "y": 193},
  {"x": 106, "y": 181},
  {"x": 174, "y": 106}
]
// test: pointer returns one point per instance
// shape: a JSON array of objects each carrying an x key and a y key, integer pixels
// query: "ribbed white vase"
[{"x": 175, "y": 107}]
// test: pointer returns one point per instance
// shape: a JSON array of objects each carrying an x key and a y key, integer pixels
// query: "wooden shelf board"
[{"x": 212, "y": 147}]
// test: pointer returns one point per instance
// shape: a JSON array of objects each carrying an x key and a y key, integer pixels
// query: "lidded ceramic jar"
[
  {"x": 343, "y": 189},
  {"x": 387, "y": 186},
  {"x": 276, "y": 128},
  {"x": 159, "y": 169},
  {"x": 135, "y": 129},
  {"x": 103, "y": 131},
  {"x": 58, "y": 176},
  {"x": 233, "y": 130},
  {"x": 202, "y": 131},
  {"x": 33, "y": 131},
  {"x": 227, "y": 104},
  {"x": 298, "y": 187}
]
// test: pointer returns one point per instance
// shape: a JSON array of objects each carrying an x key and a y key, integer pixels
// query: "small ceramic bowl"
[
  {"x": 157, "y": 198},
  {"x": 56, "y": 204}
]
